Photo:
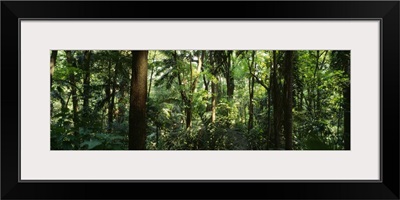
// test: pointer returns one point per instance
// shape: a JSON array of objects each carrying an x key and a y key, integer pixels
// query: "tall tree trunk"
[
  {"x": 157, "y": 136},
  {"x": 73, "y": 90},
  {"x": 110, "y": 91},
  {"x": 193, "y": 80},
  {"x": 111, "y": 107},
  {"x": 121, "y": 103},
  {"x": 214, "y": 87},
  {"x": 53, "y": 60},
  {"x": 186, "y": 100},
  {"x": 123, "y": 85},
  {"x": 108, "y": 96},
  {"x": 231, "y": 86},
  {"x": 269, "y": 134},
  {"x": 230, "y": 81},
  {"x": 151, "y": 75},
  {"x": 338, "y": 123},
  {"x": 341, "y": 61},
  {"x": 251, "y": 106},
  {"x": 288, "y": 123},
  {"x": 151, "y": 80},
  {"x": 315, "y": 103},
  {"x": 86, "y": 84},
  {"x": 196, "y": 78},
  {"x": 301, "y": 100},
  {"x": 251, "y": 94},
  {"x": 138, "y": 95},
  {"x": 276, "y": 102},
  {"x": 213, "y": 101},
  {"x": 206, "y": 85},
  {"x": 346, "y": 96},
  {"x": 188, "y": 112},
  {"x": 319, "y": 67}
]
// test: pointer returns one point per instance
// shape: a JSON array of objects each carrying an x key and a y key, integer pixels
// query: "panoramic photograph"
[{"x": 200, "y": 100}]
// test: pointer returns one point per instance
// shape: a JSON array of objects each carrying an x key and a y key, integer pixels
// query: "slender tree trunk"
[
  {"x": 111, "y": 107},
  {"x": 206, "y": 85},
  {"x": 220, "y": 89},
  {"x": 320, "y": 66},
  {"x": 269, "y": 107},
  {"x": 73, "y": 90},
  {"x": 186, "y": 100},
  {"x": 120, "y": 114},
  {"x": 288, "y": 123},
  {"x": 121, "y": 103},
  {"x": 346, "y": 96},
  {"x": 74, "y": 101},
  {"x": 53, "y": 60},
  {"x": 231, "y": 86},
  {"x": 108, "y": 96},
  {"x": 269, "y": 116},
  {"x": 251, "y": 94},
  {"x": 157, "y": 137},
  {"x": 213, "y": 101},
  {"x": 338, "y": 123},
  {"x": 251, "y": 106},
  {"x": 196, "y": 78},
  {"x": 188, "y": 117},
  {"x": 110, "y": 91},
  {"x": 151, "y": 76},
  {"x": 315, "y": 94},
  {"x": 316, "y": 63},
  {"x": 341, "y": 61},
  {"x": 230, "y": 81},
  {"x": 86, "y": 84},
  {"x": 214, "y": 87},
  {"x": 301, "y": 100},
  {"x": 138, "y": 95},
  {"x": 151, "y": 79}
]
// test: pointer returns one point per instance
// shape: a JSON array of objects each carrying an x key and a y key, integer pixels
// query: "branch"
[
  {"x": 259, "y": 81},
  {"x": 65, "y": 81}
]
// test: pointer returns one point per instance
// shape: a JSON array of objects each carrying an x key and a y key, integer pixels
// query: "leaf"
[
  {"x": 91, "y": 143},
  {"x": 60, "y": 90}
]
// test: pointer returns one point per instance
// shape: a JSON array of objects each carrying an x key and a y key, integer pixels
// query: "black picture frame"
[{"x": 386, "y": 11}]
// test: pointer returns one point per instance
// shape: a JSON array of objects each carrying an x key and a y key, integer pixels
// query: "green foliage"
[
  {"x": 103, "y": 141},
  {"x": 178, "y": 85}
]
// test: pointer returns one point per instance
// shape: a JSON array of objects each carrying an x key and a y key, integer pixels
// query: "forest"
[{"x": 200, "y": 99}]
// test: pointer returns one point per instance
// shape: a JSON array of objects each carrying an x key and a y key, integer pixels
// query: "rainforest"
[{"x": 200, "y": 99}]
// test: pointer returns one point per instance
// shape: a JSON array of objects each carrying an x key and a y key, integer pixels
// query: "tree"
[
  {"x": 346, "y": 96},
  {"x": 214, "y": 88},
  {"x": 288, "y": 122},
  {"x": 230, "y": 81},
  {"x": 251, "y": 92},
  {"x": 71, "y": 62},
  {"x": 110, "y": 92},
  {"x": 138, "y": 95},
  {"x": 53, "y": 60},
  {"x": 341, "y": 61},
  {"x": 86, "y": 83},
  {"x": 194, "y": 77},
  {"x": 276, "y": 101}
]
